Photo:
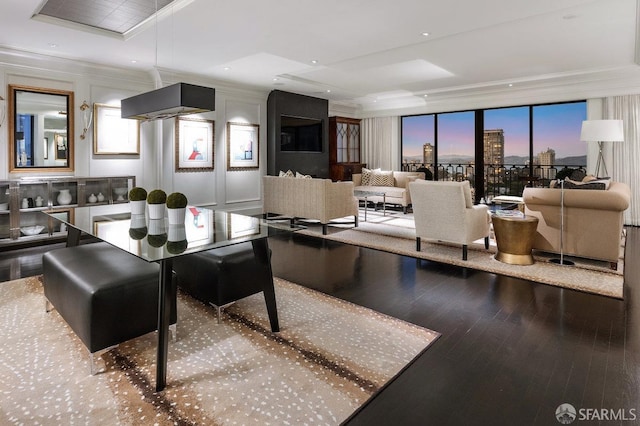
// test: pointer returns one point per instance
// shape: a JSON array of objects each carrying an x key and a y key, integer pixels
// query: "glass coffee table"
[{"x": 363, "y": 194}]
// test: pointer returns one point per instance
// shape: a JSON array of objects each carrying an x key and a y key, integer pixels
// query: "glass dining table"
[{"x": 157, "y": 241}]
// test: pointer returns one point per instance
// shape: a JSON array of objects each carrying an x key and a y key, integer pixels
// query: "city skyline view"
[{"x": 555, "y": 126}]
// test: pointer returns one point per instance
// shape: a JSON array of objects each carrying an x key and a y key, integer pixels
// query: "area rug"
[
  {"x": 328, "y": 359},
  {"x": 394, "y": 233}
]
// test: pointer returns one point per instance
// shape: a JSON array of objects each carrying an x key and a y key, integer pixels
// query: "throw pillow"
[
  {"x": 600, "y": 184},
  {"x": 577, "y": 174},
  {"x": 382, "y": 179},
  {"x": 466, "y": 188},
  {"x": 301, "y": 176},
  {"x": 366, "y": 176},
  {"x": 288, "y": 173}
]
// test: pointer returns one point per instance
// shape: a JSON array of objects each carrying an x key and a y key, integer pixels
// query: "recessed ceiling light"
[
  {"x": 53, "y": 45},
  {"x": 314, "y": 61},
  {"x": 275, "y": 79},
  {"x": 133, "y": 61},
  {"x": 226, "y": 68},
  {"x": 328, "y": 90},
  {"x": 510, "y": 84},
  {"x": 426, "y": 34},
  {"x": 425, "y": 96}
]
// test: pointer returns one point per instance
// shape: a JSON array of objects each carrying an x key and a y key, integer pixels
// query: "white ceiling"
[{"x": 367, "y": 51}]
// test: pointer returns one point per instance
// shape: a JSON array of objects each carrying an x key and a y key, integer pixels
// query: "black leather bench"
[
  {"x": 106, "y": 296},
  {"x": 224, "y": 275}
]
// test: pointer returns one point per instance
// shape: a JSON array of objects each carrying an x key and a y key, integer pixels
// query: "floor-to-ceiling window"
[
  {"x": 556, "y": 138},
  {"x": 506, "y": 150},
  {"x": 418, "y": 142},
  {"x": 519, "y": 146},
  {"x": 456, "y": 145}
]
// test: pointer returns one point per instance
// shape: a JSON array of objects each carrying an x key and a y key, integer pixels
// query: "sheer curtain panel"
[
  {"x": 626, "y": 155},
  {"x": 377, "y": 142}
]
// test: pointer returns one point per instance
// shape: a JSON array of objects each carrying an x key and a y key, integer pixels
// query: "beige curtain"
[
  {"x": 377, "y": 136},
  {"x": 626, "y": 155}
]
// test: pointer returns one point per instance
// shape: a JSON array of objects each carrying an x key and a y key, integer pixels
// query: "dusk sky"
[{"x": 554, "y": 126}]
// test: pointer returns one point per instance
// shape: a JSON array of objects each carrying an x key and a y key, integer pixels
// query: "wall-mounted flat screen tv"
[{"x": 300, "y": 134}]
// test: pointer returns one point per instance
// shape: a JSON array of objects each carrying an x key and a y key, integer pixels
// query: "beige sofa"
[
  {"x": 593, "y": 220},
  {"x": 318, "y": 199},
  {"x": 396, "y": 194}
]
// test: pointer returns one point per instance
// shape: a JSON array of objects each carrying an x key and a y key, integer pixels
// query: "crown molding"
[{"x": 539, "y": 89}]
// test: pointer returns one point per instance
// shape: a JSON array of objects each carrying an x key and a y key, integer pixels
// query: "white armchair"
[{"x": 444, "y": 211}]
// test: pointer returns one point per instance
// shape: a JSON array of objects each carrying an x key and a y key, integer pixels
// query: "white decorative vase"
[
  {"x": 157, "y": 227},
  {"x": 137, "y": 207},
  {"x": 156, "y": 211},
  {"x": 64, "y": 197},
  {"x": 177, "y": 239},
  {"x": 176, "y": 232},
  {"x": 138, "y": 221},
  {"x": 157, "y": 235},
  {"x": 176, "y": 216}
]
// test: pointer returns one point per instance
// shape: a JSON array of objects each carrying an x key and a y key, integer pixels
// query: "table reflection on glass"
[{"x": 158, "y": 241}]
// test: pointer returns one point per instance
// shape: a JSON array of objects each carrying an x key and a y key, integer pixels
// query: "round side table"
[{"x": 514, "y": 237}]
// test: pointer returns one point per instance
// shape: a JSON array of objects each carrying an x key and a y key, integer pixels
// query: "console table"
[{"x": 203, "y": 230}]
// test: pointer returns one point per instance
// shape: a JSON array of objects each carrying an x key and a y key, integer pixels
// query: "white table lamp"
[{"x": 602, "y": 131}]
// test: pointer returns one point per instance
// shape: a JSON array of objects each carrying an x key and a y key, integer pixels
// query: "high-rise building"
[
  {"x": 494, "y": 147},
  {"x": 546, "y": 161},
  {"x": 427, "y": 154},
  {"x": 547, "y": 158}
]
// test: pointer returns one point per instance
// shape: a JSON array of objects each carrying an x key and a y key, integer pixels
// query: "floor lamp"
[
  {"x": 562, "y": 260},
  {"x": 602, "y": 131},
  {"x": 592, "y": 131}
]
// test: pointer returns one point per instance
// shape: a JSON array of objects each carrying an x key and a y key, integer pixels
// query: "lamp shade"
[{"x": 602, "y": 131}]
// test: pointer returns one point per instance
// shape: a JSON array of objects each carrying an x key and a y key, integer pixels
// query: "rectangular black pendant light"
[{"x": 171, "y": 101}]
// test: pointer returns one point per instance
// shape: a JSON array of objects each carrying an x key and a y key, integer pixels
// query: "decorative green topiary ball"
[
  {"x": 138, "y": 233},
  {"x": 176, "y": 200},
  {"x": 157, "y": 240},
  {"x": 157, "y": 196},
  {"x": 137, "y": 194},
  {"x": 176, "y": 247}
]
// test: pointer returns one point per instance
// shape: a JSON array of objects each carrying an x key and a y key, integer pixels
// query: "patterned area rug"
[
  {"x": 395, "y": 233},
  {"x": 329, "y": 358}
]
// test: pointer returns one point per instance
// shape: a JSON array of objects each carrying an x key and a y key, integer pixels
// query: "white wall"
[{"x": 154, "y": 167}]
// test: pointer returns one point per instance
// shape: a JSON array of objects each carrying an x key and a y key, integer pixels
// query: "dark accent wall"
[{"x": 315, "y": 164}]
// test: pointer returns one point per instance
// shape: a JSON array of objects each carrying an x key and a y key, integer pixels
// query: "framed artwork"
[
  {"x": 194, "y": 145},
  {"x": 242, "y": 146},
  {"x": 60, "y": 141},
  {"x": 242, "y": 226},
  {"x": 112, "y": 134},
  {"x": 46, "y": 149},
  {"x": 199, "y": 226},
  {"x": 115, "y": 229}
]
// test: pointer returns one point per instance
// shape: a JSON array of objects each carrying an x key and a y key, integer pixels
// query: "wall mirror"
[{"x": 40, "y": 129}]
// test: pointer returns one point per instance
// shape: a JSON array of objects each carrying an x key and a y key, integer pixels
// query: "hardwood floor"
[{"x": 511, "y": 351}]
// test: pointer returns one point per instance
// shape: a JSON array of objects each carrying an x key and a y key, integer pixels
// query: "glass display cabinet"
[{"x": 23, "y": 200}]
